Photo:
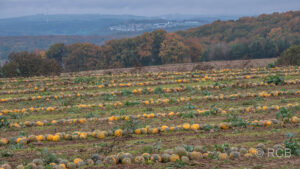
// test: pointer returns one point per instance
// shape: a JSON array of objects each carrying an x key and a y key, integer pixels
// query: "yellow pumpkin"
[
  {"x": 267, "y": 123},
  {"x": 195, "y": 126},
  {"x": 171, "y": 114},
  {"x": 295, "y": 119},
  {"x": 126, "y": 118},
  {"x": 40, "y": 138},
  {"x": 138, "y": 131},
  {"x": 223, "y": 156},
  {"x": 63, "y": 166},
  {"x": 174, "y": 157},
  {"x": 3, "y": 141},
  {"x": 163, "y": 128},
  {"x": 118, "y": 133},
  {"x": 154, "y": 131},
  {"x": 252, "y": 151},
  {"x": 83, "y": 135},
  {"x": 50, "y": 137},
  {"x": 111, "y": 118},
  {"x": 77, "y": 160},
  {"x": 39, "y": 123},
  {"x": 186, "y": 126},
  {"x": 224, "y": 126},
  {"x": 101, "y": 135},
  {"x": 56, "y": 137}
]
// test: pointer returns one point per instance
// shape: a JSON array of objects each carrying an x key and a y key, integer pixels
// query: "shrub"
[
  {"x": 271, "y": 65},
  {"x": 291, "y": 56},
  {"x": 276, "y": 79}
]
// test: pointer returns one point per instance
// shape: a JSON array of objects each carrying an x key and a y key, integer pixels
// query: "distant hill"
[
  {"x": 40, "y": 31},
  {"x": 263, "y": 36},
  {"x": 92, "y": 24}
]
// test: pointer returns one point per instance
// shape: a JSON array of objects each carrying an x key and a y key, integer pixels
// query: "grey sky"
[{"x": 12, "y": 8}]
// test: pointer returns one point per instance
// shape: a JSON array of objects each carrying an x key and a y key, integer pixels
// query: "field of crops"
[{"x": 229, "y": 118}]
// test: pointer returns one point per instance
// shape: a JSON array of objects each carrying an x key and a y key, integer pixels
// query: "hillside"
[
  {"x": 276, "y": 31},
  {"x": 41, "y": 31},
  {"x": 264, "y": 36}
]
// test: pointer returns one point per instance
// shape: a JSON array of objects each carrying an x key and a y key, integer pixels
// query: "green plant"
[
  {"x": 222, "y": 147},
  {"x": 216, "y": 84},
  {"x": 283, "y": 101},
  {"x": 157, "y": 146},
  {"x": 126, "y": 93},
  {"x": 90, "y": 115},
  {"x": 131, "y": 125},
  {"x": 147, "y": 149},
  {"x": 213, "y": 111},
  {"x": 207, "y": 127},
  {"x": 16, "y": 146},
  {"x": 145, "y": 91},
  {"x": 284, "y": 115},
  {"x": 158, "y": 90},
  {"x": 4, "y": 122},
  {"x": 189, "y": 106},
  {"x": 271, "y": 65},
  {"x": 79, "y": 80},
  {"x": 177, "y": 164},
  {"x": 259, "y": 98},
  {"x": 6, "y": 154},
  {"x": 275, "y": 79},
  {"x": 292, "y": 144},
  {"x": 48, "y": 157},
  {"x": 108, "y": 97},
  {"x": 88, "y": 80},
  {"x": 188, "y": 115},
  {"x": 236, "y": 120},
  {"x": 206, "y": 93},
  {"x": 131, "y": 103},
  {"x": 189, "y": 148}
]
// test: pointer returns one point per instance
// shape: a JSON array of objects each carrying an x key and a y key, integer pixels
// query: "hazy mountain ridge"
[
  {"x": 83, "y": 25},
  {"x": 41, "y": 31}
]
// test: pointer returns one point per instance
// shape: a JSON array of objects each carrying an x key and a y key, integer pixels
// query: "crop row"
[
  {"x": 153, "y": 74},
  {"x": 199, "y": 112},
  {"x": 94, "y": 80},
  {"x": 146, "y": 130},
  {"x": 148, "y": 91},
  {"x": 180, "y": 154},
  {"x": 124, "y": 85},
  {"x": 159, "y": 101}
]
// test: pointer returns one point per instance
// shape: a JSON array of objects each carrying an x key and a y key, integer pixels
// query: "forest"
[{"x": 264, "y": 36}]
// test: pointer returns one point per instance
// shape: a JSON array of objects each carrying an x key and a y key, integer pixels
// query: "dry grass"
[{"x": 189, "y": 66}]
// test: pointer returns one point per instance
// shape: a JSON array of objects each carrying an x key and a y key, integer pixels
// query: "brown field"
[{"x": 234, "y": 107}]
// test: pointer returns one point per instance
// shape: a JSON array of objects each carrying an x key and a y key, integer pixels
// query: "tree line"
[{"x": 265, "y": 36}]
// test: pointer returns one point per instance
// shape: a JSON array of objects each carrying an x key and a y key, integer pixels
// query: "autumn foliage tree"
[
  {"x": 194, "y": 49},
  {"x": 173, "y": 50},
  {"x": 29, "y": 64}
]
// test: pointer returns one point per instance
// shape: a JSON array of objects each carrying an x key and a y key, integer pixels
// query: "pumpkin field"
[{"x": 219, "y": 118}]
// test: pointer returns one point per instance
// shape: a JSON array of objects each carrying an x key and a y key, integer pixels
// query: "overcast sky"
[{"x": 12, "y": 8}]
